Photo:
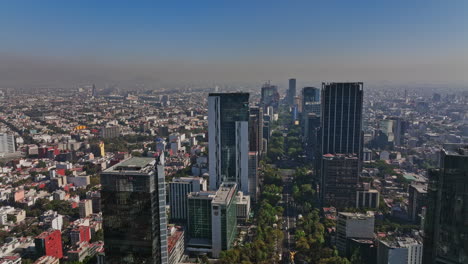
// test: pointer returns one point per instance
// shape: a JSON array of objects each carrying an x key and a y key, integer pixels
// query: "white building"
[
  {"x": 400, "y": 250},
  {"x": 7, "y": 143},
  {"x": 178, "y": 190},
  {"x": 353, "y": 225},
  {"x": 52, "y": 219},
  {"x": 243, "y": 206}
]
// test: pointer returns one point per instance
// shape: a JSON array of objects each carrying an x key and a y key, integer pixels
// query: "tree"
[{"x": 334, "y": 260}]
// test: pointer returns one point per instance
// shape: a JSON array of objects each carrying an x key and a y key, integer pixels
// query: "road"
[{"x": 289, "y": 216}]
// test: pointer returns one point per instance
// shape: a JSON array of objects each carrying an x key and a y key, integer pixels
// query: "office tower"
[
  {"x": 310, "y": 100},
  {"x": 270, "y": 96},
  {"x": 340, "y": 177},
  {"x": 311, "y": 129},
  {"x": 134, "y": 211},
  {"x": 49, "y": 243},
  {"x": 353, "y": 225},
  {"x": 416, "y": 201},
  {"x": 93, "y": 91},
  {"x": 179, "y": 188},
  {"x": 292, "y": 92},
  {"x": 445, "y": 227},
  {"x": 342, "y": 118},
  {"x": 256, "y": 129},
  {"x": 7, "y": 143},
  {"x": 212, "y": 220},
  {"x": 86, "y": 208},
  {"x": 398, "y": 249},
  {"x": 228, "y": 139},
  {"x": 253, "y": 175}
]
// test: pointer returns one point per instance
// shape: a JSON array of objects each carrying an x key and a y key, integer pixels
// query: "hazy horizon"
[{"x": 157, "y": 44}]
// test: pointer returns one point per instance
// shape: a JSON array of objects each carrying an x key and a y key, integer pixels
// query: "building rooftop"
[
  {"x": 202, "y": 195},
  {"x": 133, "y": 165},
  {"x": 225, "y": 193},
  {"x": 369, "y": 214},
  {"x": 188, "y": 179},
  {"x": 421, "y": 188}
]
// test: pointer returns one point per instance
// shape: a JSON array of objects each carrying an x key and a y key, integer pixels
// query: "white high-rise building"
[
  {"x": 228, "y": 138},
  {"x": 178, "y": 190},
  {"x": 7, "y": 143}
]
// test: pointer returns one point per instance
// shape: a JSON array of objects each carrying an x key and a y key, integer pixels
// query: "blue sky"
[{"x": 346, "y": 38}]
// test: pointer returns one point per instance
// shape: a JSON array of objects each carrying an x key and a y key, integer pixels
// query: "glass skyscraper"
[
  {"x": 446, "y": 220},
  {"x": 133, "y": 209},
  {"x": 342, "y": 118},
  {"x": 212, "y": 219},
  {"x": 228, "y": 137}
]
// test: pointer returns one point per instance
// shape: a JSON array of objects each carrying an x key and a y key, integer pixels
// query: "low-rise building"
[
  {"x": 243, "y": 206},
  {"x": 175, "y": 244}
]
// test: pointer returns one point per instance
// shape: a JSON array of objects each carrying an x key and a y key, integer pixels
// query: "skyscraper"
[
  {"x": 342, "y": 118},
  {"x": 256, "y": 129},
  {"x": 292, "y": 92},
  {"x": 134, "y": 211},
  {"x": 445, "y": 227},
  {"x": 270, "y": 96},
  {"x": 310, "y": 100},
  {"x": 228, "y": 139}
]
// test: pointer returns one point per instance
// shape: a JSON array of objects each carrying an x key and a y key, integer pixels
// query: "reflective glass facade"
[
  {"x": 342, "y": 118},
  {"x": 132, "y": 220},
  {"x": 446, "y": 226}
]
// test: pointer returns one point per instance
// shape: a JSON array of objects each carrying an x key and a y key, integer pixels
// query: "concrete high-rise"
[
  {"x": 7, "y": 143},
  {"x": 134, "y": 211},
  {"x": 445, "y": 226},
  {"x": 179, "y": 188},
  {"x": 339, "y": 181},
  {"x": 342, "y": 118},
  {"x": 228, "y": 139}
]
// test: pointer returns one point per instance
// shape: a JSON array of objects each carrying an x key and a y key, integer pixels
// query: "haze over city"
[
  {"x": 233, "y": 132},
  {"x": 56, "y": 43}
]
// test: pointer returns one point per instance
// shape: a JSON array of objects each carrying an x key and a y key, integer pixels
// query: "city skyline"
[{"x": 174, "y": 43}]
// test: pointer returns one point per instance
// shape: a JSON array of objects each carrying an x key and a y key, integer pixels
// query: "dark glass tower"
[
  {"x": 310, "y": 95},
  {"x": 133, "y": 209},
  {"x": 270, "y": 96},
  {"x": 292, "y": 91},
  {"x": 228, "y": 138},
  {"x": 446, "y": 220},
  {"x": 342, "y": 118}
]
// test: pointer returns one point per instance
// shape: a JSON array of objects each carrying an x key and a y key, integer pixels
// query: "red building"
[
  {"x": 80, "y": 234},
  {"x": 49, "y": 243}
]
